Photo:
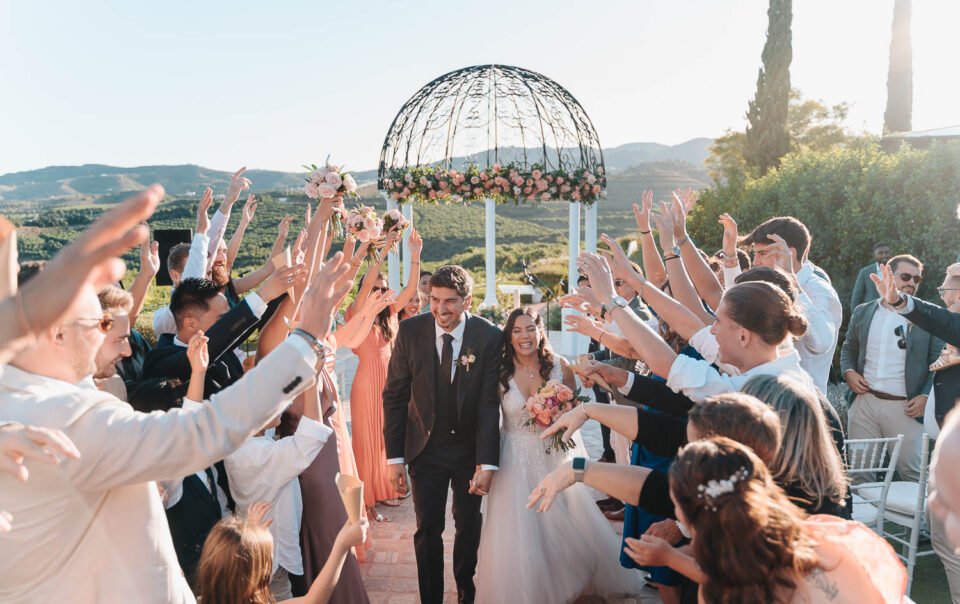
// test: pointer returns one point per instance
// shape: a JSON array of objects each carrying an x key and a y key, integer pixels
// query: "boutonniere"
[{"x": 468, "y": 359}]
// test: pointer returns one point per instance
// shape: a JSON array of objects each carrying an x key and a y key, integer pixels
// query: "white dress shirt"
[
  {"x": 457, "y": 334},
  {"x": 698, "y": 380},
  {"x": 263, "y": 469},
  {"x": 824, "y": 315},
  {"x": 884, "y": 362},
  {"x": 195, "y": 268},
  {"x": 218, "y": 228}
]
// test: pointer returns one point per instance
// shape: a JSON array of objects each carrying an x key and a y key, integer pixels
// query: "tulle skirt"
[{"x": 554, "y": 557}]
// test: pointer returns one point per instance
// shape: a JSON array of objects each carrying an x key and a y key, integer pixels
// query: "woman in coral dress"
[{"x": 366, "y": 402}]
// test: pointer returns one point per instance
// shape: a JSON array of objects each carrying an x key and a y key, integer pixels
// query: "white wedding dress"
[{"x": 554, "y": 557}]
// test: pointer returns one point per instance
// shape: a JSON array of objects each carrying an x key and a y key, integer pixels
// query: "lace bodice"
[{"x": 514, "y": 405}]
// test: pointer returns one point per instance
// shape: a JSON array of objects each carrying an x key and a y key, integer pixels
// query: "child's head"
[
  {"x": 236, "y": 564},
  {"x": 748, "y": 537}
]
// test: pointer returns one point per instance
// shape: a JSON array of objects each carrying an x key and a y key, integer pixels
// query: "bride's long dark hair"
[{"x": 544, "y": 350}]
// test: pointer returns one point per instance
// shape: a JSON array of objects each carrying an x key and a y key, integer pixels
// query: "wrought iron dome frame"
[{"x": 492, "y": 114}]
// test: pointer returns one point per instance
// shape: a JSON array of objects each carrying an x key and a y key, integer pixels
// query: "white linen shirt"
[
  {"x": 195, "y": 268},
  {"x": 824, "y": 315},
  {"x": 698, "y": 380}
]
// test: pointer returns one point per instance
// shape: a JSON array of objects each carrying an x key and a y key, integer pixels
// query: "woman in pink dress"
[{"x": 366, "y": 403}]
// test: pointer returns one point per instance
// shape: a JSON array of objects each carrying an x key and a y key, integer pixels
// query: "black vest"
[{"x": 445, "y": 398}]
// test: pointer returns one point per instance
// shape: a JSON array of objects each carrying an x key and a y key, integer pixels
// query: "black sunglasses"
[
  {"x": 906, "y": 277},
  {"x": 618, "y": 282},
  {"x": 380, "y": 289},
  {"x": 902, "y": 342}
]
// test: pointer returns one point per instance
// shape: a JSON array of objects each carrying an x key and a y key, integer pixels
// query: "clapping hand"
[
  {"x": 203, "y": 221},
  {"x": 648, "y": 550},
  {"x": 149, "y": 256},
  {"x": 197, "y": 353},
  {"x": 257, "y": 511},
  {"x": 237, "y": 184},
  {"x": 886, "y": 285},
  {"x": 617, "y": 259},
  {"x": 548, "y": 488},
  {"x": 642, "y": 213},
  {"x": 729, "y": 235},
  {"x": 569, "y": 422}
]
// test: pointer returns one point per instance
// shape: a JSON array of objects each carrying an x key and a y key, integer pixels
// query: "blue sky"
[{"x": 278, "y": 84}]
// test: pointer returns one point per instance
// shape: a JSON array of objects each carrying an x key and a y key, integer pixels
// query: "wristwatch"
[
  {"x": 901, "y": 303},
  {"x": 614, "y": 302},
  {"x": 579, "y": 465}
]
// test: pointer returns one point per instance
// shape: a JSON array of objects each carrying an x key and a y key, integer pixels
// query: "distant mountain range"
[{"x": 97, "y": 183}]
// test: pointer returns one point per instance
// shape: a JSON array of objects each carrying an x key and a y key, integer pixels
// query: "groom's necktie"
[{"x": 446, "y": 359}]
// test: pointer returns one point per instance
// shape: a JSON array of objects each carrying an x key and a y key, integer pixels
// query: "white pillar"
[
  {"x": 570, "y": 339},
  {"x": 407, "y": 211},
  {"x": 490, "y": 299},
  {"x": 590, "y": 227},
  {"x": 393, "y": 261}
]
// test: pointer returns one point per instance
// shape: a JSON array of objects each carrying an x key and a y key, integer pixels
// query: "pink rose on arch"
[
  {"x": 531, "y": 198},
  {"x": 596, "y": 189},
  {"x": 545, "y": 197},
  {"x": 529, "y": 181},
  {"x": 565, "y": 189},
  {"x": 575, "y": 195},
  {"x": 478, "y": 191},
  {"x": 408, "y": 177},
  {"x": 527, "y": 190},
  {"x": 559, "y": 180},
  {"x": 474, "y": 180},
  {"x": 349, "y": 184},
  {"x": 542, "y": 185},
  {"x": 326, "y": 190},
  {"x": 549, "y": 177},
  {"x": 406, "y": 191},
  {"x": 536, "y": 174},
  {"x": 443, "y": 185},
  {"x": 496, "y": 168},
  {"x": 311, "y": 190},
  {"x": 496, "y": 190},
  {"x": 432, "y": 194},
  {"x": 483, "y": 176},
  {"x": 590, "y": 178}
]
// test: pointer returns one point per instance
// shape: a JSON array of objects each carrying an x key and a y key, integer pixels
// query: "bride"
[{"x": 567, "y": 551}]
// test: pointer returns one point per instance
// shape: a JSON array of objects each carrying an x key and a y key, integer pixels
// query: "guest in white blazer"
[{"x": 93, "y": 529}]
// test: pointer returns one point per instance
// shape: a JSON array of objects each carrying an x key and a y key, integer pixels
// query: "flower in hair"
[{"x": 714, "y": 489}]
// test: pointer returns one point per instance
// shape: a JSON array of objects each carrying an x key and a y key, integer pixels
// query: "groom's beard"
[{"x": 441, "y": 319}]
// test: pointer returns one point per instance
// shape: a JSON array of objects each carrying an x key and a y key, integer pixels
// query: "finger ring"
[{"x": 543, "y": 490}]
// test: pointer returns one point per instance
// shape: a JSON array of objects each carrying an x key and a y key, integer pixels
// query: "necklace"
[{"x": 529, "y": 371}]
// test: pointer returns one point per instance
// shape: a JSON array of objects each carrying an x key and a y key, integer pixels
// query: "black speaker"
[{"x": 167, "y": 238}]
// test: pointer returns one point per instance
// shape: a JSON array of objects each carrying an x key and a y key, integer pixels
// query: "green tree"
[
  {"x": 897, "y": 117},
  {"x": 767, "y": 139},
  {"x": 812, "y": 125}
]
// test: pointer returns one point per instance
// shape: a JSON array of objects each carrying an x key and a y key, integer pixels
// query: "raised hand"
[
  {"x": 687, "y": 200},
  {"x": 149, "y": 256},
  {"x": 583, "y": 325},
  {"x": 664, "y": 222},
  {"x": 197, "y": 353},
  {"x": 782, "y": 256},
  {"x": 237, "y": 184},
  {"x": 281, "y": 280},
  {"x": 283, "y": 230},
  {"x": 250, "y": 208},
  {"x": 617, "y": 258},
  {"x": 548, "y": 488},
  {"x": 326, "y": 290},
  {"x": 679, "y": 218},
  {"x": 19, "y": 443},
  {"x": 886, "y": 285},
  {"x": 257, "y": 511},
  {"x": 730, "y": 235},
  {"x": 415, "y": 242},
  {"x": 378, "y": 300},
  {"x": 582, "y": 299},
  {"x": 642, "y": 213},
  {"x": 298, "y": 253},
  {"x": 203, "y": 221},
  {"x": 569, "y": 422},
  {"x": 601, "y": 278}
]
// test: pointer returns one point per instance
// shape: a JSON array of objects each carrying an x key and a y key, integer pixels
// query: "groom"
[{"x": 441, "y": 414}]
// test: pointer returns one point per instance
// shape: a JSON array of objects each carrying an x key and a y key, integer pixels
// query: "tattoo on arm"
[{"x": 819, "y": 579}]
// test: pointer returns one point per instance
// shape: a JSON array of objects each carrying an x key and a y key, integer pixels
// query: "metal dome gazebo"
[{"x": 494, "y": 133}]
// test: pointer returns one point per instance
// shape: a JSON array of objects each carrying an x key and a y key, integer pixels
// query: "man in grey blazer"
[
  {"x": 885, "y": 361},
  {"x": 864, "y": 290}
]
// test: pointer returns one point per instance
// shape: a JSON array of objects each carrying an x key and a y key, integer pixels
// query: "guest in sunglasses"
[
  {"x": 115, "y": 325},
  {"x": 366, "y": 393},
  {"x": 886, "y": 362}
]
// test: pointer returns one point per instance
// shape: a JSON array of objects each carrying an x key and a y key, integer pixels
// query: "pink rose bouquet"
[
  {"x": 327, "y": 182},
  {"x": 364, "y": 226},
  {"x": 394, "y": 220},
  {"x": 552, "y": 400}
]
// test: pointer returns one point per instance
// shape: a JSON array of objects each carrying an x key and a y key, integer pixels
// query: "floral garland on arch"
[{"x": 510, "y": 182}]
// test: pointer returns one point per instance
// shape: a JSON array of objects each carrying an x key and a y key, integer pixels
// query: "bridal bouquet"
[
  {"x": 364, "y": 225},
  {"x": 552, "y": 400},
  {"x": 328, "y": 182},
  {"x": 394, "y": 220}
]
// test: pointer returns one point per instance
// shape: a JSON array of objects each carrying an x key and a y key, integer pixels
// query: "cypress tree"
[
  {"x": 897, "y": 117},
  {"x": 767, "y": 139}
]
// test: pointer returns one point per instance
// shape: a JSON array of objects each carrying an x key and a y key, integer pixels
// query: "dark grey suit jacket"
[
  {"x": 864, "y": 290},
  {"x": 922, "y": 349}
]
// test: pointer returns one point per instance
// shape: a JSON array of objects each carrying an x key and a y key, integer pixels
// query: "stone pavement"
[{"x": 390, "y": 571}]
